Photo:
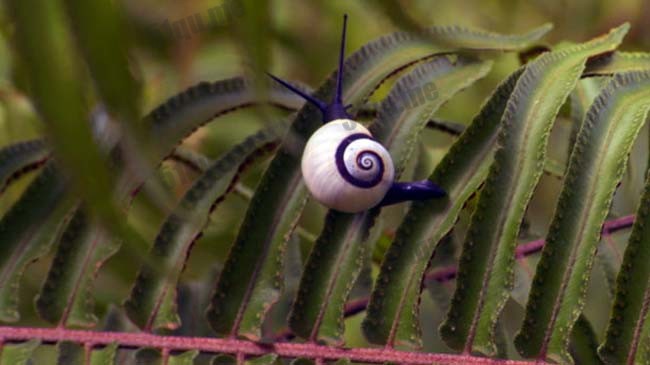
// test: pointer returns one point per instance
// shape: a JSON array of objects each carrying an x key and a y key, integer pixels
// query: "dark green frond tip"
[
  {"x": 20, "y": 158},
  {"x": 28, "y": 230},
  {"x": 148, "y": 356},
  {"x": 70, "y": 353},
  {"x": 223, "y": 360},
  {"x": 183, "y": 113}
]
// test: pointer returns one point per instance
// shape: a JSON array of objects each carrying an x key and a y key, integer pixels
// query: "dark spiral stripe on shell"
[{"x": 343, "y": 171}]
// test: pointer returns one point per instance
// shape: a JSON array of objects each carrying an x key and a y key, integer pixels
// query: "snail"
[{"x": 344, "y": 167}]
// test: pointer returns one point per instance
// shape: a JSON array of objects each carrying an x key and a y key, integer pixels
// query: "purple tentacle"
[
  {"x": 336, "y": 109},
  {"x": 415, "y": 190}
]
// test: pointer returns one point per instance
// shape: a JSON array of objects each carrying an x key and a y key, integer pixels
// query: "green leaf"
[
  {"x": 485, "y": 274},
  {"x": 70, "y": 353},
  {"x": 278, "y": 201},
  {"x": 276, "y": 319},
  {"x": 190, "y": 158},
  {"x": 223, "y": 359},
  {"x": 104, "y": 356},
  {"x": 115, "y": 320},
  {"x": 302, "y": 361},
  {"x": 253, "y": 30},
  {"x": 609, "y": 260},
  {"x": 19, "y": 158},
  {"x": 453, "y": 128},
  {"x": 40, "y": 34},
  {"x": 583, "y": 96},
  {"x": 596, "y": 167},
  {"x": 393, "y": 311},
  {"x": 269, "y": 359},
  {"x": 150, "y": 356},
  {"x": 581, "y": 99},
  {"x": 108, "y": 59},
  {"x": 415, "y": 98},
  {"x": 183, "y": 113},
  {"x": 186, "y": 358},
  {"x": 477, "y": 39},
  {"x": 27, "y": 232},
  {"x": 554, "y": 168},
  {"x": 338, "y": 255},
  {"x": 66, "y": 297},
  {"x": 584, "y": 343},
  {"x": 627, "y": 336},
  {"x": 18, "y": 354},
  {"x": 152, "y": 303},
  {"x": 9, "y": 283},
  {"x": 617, "y": 62},
  {"x": 69, "y": 286},
  {"x": 190, "y": 109}
]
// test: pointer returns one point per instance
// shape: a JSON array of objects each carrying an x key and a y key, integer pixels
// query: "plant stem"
[
  {"x": 527, "y": 249},
  {"x": 249, "y": 348},
  {"x": 448, "y": 273}
]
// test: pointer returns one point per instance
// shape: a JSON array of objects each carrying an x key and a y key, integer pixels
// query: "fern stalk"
[{"x": 243, "y": 348}]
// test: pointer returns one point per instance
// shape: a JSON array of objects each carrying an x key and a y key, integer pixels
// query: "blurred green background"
[{"x": 299, "y": 40}]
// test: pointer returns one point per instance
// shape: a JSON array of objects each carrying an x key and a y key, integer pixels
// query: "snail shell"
[{"x": 345, "y": 168}]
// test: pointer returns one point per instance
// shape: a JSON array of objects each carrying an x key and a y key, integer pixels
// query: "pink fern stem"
[{"x": 248, "y": 348}]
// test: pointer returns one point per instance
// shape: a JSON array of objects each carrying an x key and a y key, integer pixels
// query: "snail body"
[{"x": 346, "y": 169}]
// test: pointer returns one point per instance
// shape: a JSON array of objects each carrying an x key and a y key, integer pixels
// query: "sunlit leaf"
[
  {"x": 485, "y": 274},
  {"x": 598, "y": 161}
]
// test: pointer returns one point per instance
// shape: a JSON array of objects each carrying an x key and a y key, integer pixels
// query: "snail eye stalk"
[
  {"x": 322, "y": 106},
  {"x": 335, "y": 109}
]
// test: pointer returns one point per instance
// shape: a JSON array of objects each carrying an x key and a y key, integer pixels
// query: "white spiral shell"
[{"x": 345, "y": 168}]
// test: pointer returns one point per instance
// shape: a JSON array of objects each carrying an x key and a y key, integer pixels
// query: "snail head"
[{"x": 334, "y": 109}]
